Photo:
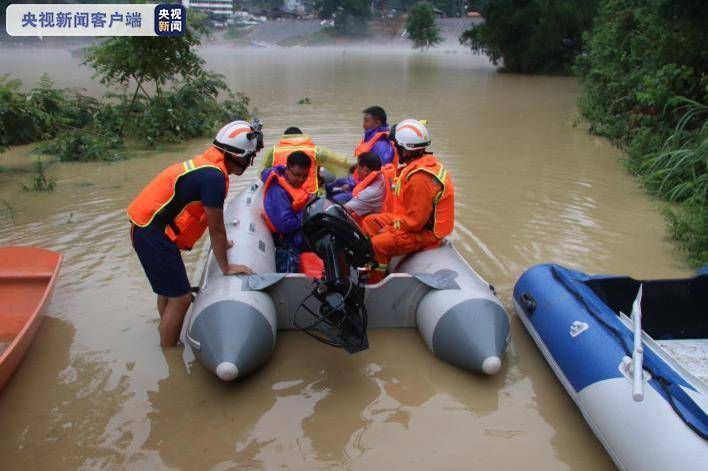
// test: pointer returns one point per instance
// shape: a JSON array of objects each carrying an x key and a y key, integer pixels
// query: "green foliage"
[
  {"x": 304, "y": 101},
  {"x": 18, "y": 123},
  {"x": 532, "y": 36},
  {"x": 189, "y": 110},
  {"x": 420, "y": 24},
  {"x": 83, "y": 145},
  {"x": 678, "y": 172},
  {"x": 349, "y": 15},
  {"x": 40, "y": 180},
  {"x": 688, "y": 225},
  {"x": 645, "y": 88},
  {"x": 39, "y": 114},
  {"x": 119, "y": 60}
]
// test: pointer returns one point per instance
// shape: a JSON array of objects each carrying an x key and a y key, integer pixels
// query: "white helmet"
[
  {"x": 411, "y": 134},
  {"x": 240, "y": 138}
]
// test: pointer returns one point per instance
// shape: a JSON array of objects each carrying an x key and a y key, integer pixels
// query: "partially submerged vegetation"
[
  {"x": 532, "y": 37},
  {"x": 420, "y": 26},
  {"x": 167, "y": 96},
  {"x": 645, "y": 87},
  {"x": 40, "y": 180}
]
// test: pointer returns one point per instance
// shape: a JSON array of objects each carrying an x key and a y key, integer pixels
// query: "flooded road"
[{"x": 97, "y": 392}]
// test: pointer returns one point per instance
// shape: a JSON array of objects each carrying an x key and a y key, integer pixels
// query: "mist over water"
[{"x": 96, "y": 391}]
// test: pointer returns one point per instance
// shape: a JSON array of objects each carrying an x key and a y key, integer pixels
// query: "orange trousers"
[{"x": 387, "y": 243}]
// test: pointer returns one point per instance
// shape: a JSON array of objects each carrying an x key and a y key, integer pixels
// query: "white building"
[{"x": 213, "y": 7}]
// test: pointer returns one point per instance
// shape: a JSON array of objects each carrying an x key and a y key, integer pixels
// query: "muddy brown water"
[{"x": 97, "y": 392}]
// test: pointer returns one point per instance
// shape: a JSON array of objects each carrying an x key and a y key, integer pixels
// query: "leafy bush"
[
  {"x": 83, "y": 145},
  {"x": 190, "y": 110},
  {"x": 42, "y": 112},
  {"x": 532, "y": 36},
  {"x": 688, "y": 225},
  {"x": 420, "y": 25},
  {"x": 18, "y": 124},
  {"x": 645, "y": 88},
  {"x": 27, "y": 117}
]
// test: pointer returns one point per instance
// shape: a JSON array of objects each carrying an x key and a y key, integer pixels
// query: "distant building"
[{"x": 213, "y": 8}]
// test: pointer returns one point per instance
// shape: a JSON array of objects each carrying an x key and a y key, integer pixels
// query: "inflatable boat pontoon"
[
  {"x": 654, "y": 419},
  {"x": 232, "y": 325}
]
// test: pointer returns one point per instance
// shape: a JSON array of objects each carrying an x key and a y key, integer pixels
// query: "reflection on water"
[{"x": 96, "y": 391}]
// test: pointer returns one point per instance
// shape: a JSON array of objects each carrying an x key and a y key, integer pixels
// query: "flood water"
[{"x": 97, "y": 392}]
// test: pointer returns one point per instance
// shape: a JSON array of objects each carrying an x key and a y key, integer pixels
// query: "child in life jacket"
[
  {"x": 340, "y": 190},
  {"x": 369, "y": 193}
]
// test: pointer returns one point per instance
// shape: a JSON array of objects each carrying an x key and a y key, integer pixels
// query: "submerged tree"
[
  {"x": 532, "y": 36},
  {"x": 122, "y": 60},
  {"x": 420, "y": 25}
]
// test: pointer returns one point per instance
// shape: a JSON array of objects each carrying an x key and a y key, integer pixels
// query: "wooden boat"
[{"x": 27, "y": 276}]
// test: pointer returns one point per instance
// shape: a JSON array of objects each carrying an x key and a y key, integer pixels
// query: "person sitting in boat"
[
  {"x": 340, "y": 190},
  {"x": 369, "y": 194},
  {"x": 293, "y": 139},
  {"x": 284, "y": 200},
  {"x": 174, "y": 210},
  {"x": 376, "y": 133},
  {"x": 423, "y": 201}
]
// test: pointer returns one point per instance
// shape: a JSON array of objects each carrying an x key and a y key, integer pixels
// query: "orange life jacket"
[
  {"x": 389, "y": 170},
  {"x": 298, "y": 142},
  {"x": 366, "y": 146},
  {"x": 299, "y": 196},
  {"x": 365, "y": 182},
  {"x": 360, "y": 187},
  {"x": 190, "y": 224},
  {"x": 443, "y": 217}
]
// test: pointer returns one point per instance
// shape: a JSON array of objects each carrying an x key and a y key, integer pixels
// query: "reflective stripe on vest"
[
  {"x": 298, "y": 196},
  {"x": 443, "y": 217},
  {"x": 189, "y": 225},
  {"x": 289, "y": 144}
]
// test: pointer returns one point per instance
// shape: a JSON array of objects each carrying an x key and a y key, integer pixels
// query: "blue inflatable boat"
[{"x": 585, "y": 326}]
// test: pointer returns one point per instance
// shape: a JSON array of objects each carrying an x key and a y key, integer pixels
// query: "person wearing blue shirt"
[
  {"x": 376, "y": 131},
  {"x": 284, "y": 201}
]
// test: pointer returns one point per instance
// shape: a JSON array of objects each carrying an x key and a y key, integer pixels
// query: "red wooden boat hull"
[{"x": 27, "y": 277}]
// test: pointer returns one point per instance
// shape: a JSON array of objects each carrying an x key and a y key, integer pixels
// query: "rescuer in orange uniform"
[
  {"x": 174, "y": 210},
  {"x": 423, "y": 201}
]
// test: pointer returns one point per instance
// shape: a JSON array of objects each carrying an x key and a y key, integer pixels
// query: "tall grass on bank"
[{"x": 678, "y": 173}]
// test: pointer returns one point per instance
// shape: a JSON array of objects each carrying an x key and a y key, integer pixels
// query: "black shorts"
[{"x": 161, "y": 261}]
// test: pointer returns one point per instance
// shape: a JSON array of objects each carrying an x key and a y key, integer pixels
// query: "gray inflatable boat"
[{"x": 232, "y": 325}]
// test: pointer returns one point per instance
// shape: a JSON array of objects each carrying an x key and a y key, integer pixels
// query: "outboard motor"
[{"x": 337, "y": 239}]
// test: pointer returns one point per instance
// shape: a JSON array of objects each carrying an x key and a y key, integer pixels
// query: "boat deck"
[{"x": 691, "y": 354}]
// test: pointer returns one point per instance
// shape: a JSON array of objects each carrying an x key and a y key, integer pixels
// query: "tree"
[
  {"x": 532, "y": 36},
  {"x": 420, "y": 24},
  {"x": 349, "y": 15},
  {"x": 121, "y": 60}
]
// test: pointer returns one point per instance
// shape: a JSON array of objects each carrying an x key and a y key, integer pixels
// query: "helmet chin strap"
[{"x": 244, "y": 161}]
